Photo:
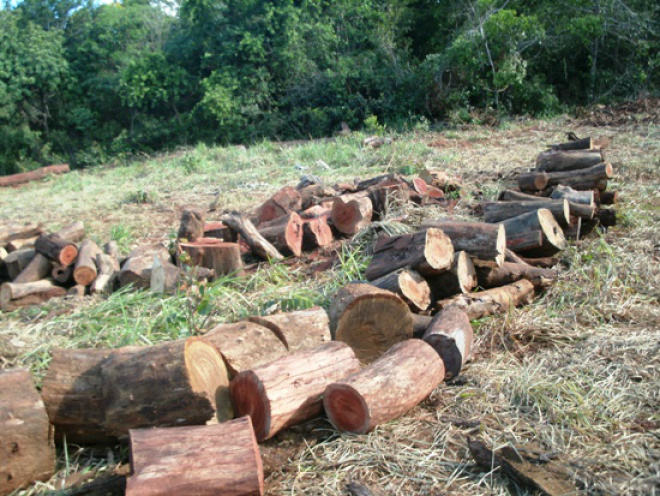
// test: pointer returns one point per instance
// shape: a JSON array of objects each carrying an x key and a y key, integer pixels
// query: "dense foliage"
[{"x": 81, "y": 81}]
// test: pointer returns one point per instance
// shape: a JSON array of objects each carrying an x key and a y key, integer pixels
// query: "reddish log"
[
  {"x": 351, "y": 215},
  {"x": 299, "y": 330},
  {"x": 281, "y": 203},
  {"x": 492, "y": 301},
  {"x": 35, "y": 175},
  {"x": 285, "y": 233}
]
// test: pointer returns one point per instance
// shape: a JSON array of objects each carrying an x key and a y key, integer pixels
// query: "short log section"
[
  {"x": 492, "y": 301},
  {"x": 478, "y": 239},
  {"x": 349, "y": 215},
  {"x": 223, "y": 258},
  {"x": 409, "y": 285},
  {"x": 299, "y": 330},
  {"x": 451, "y": 336}
]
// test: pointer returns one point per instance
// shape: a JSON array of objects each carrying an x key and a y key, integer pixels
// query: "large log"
[
  {"x": 85, "y": 270},
  {"x": 579, "y": 144},
  {"x": 192, "y": 225},
  {"x": 56, "y": 249},
  {"x": 573, "y": 196},
  {"x": 491, "y": 301},
  {"x": 451, "y": 336},
  {"x": 478, "y": 239},
  {"x": 288, "y": 391},
  {"x": 512, "y": 272},
  {"x": 108, "y": 270},
  {"x": 34, "y": 175},
  {"x": 17, "y": 261},
  {"x": 500, "y": 211},
  {"x": 251, "y": 236},
  {"x": 351, "y": 214},
  {"x": 542, "y": 221},
  {"x": 409, "y": 285},
  {"x": 561, "y": 161},
  {"x": 583, "y": 179},
  {"x": 299, "y": 330},
  {"x": 12, "y": 232},
  {"x": 461, "y": 277},
  {"x": 386, "y": 389},
  {"x": 223, "y": 258},
  {"x": 286, "y": 200},
  {"x": 428, "y": 251},
  {"x": 17, "y": 295},
  {"x": 199, "y": 460},
  {"x": 285, "y": 233},
  {"x": 369, "y": 319},
  {"x": 27, "y": 452},
  {"x": 38, "y": 268}
]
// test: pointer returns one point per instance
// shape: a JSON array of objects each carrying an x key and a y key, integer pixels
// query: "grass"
[{"x": 576, "y": 373}]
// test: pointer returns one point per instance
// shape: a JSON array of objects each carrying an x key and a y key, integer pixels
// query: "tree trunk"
[
  {"x": 392, "y": 385},
  {"x": 451, "y": 336},
  {"x": 38, "y": 268},
  {"x": 369, "y": 319},
  {"x": 285, "y": 233},
  {"x": 492, "y": 301},
  {"x": 27, "y": 449},
  {"x": 26, "y": 177},
  {"x": 56, "y": 249},
  {"x": 12, "y": 232},
  {"x": 428, "y": 251},
  {"x": 286, "y": 200},
  {"x": 562, "y": 161},
  {"x": 478, "y": 239},
  {"x": 512, "y": 272},
  {"x": 351, "y": 215},
  {"x": 501, "y": 211},
  {"x": 583, "y": 179},
  {"x": 550, "y": 241},
  {"x": 288, "y": 391},
  {"x": 409, "y": 285},
  {"x": 17, "y": 261},
  {"x": 192, "y": 225},
  {"x": 299, "y": 330},
  {"x": 223, "y": 258},
  {"x": 17, "y": 295},
  {"x": 573, "y": 196},
  {"x": 85, "y": 271},
  {"x": 251, "y": 236},
  {"x": 108, "y": 270},
  {"x": 460, "y": 278},
  {"x": 72, "y": 233},
  {"x": 200, "y": 460},
  {"x": 580, "y": 144}
]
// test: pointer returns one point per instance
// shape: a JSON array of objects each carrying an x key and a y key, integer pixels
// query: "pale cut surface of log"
[
  {"x": 34, "y": 175},
  {"x": 386, "y": 389},
  {"x": 223, "y": 258},
  {"x": 27, "y": 452},
  {"x": 500, "y": 211},
  {"x": 17, "y": 261},
  {"x": 211, "y": 460},
  {"x": 580, "y": 144},
  {"x": 281, "y": 203},
  {"x": 350, "y": 215},
  {"x": 192, "y": 224},
  {"x": 478, "y": 239},
  {"x": 72, "y": 391},
  {"x": 552, "y": 238},
  {"x": 460, "y": 278},
  {"x": 285, "y": 233},
  {"x": 491, "y": 301},
  {"x": 583, "y": 179},
  {"x": 316, "y": 233},
  {"x": 260, "y": 246},
  {"x": 161, "y": 386},
  {"x": 409, "y": 285},
  {"x": 561, "y": 161},
  {"x": 16, "y": 295},
  {"x": 38, "y": 268},
  {"x": 85, "y": 271},
  {"x": 12, "y": 232},
  {"x": 56, "y": 249},
  {"x": 428, "y": 251},
  {"x": 299, "y": 330},
  {"x": 451, "y": 336},
  {"x": 573, "y": 196},
  {"x": 108, "y": 270},
  {"x": 369, "y": 319},
  {"x": 73, "y": 232},
  {"x": 512, "y": 272},
  {"x": 288, "y": 391}
]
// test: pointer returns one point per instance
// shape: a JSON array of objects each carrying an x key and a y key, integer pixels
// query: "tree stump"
[
  {"x": 478, "y": 239},
  {"x": 223, "y": 258},
  {"x": 451, "y": 336},
  {"x": 409, "y": 285},
  {"x": 299, "y": 330}
]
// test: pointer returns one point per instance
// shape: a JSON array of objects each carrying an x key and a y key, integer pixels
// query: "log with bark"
[
  {"x": 257, "y": 243},
  {"x": 478, "y": 239},
  {"x": 386, "y": 389},
  {"x": 440, "y": 179},
  {"x": 192, "y": 224},
  {"x": 571, "y": 160},
  {"x": 165, "y": 277},
  {"x": 315, "y": 194},
  {"x": 583, "y": 179},
  {"x": 579, "y": 144},
  {"x": 573, "y": 196},
  {"x": 409, "y": 285},
  {"x": 387, "y": 194},
  {"x": 198, "y": 460},
  {"x": 108, "y": 271},
  {"x": 38, "y": 268},
  {"x": 543, "y": 262},
  {"x": 512, "y": 272},
  {"x": 541, "y": 221},
  {"x": 420, "y": 324},
  {"x": 85, "y": 270},
  {"x": 34, "y": 175},
  {"x": 223, "y": 258},
  {"x": 606, "y": 197},
  {"x": 56, "y": 249},
  {"x": 316, "y": 233},
  {"x": 20, "y": 244},
  {"x": 11, "y": 232},
  {"x": 299, "y": 330},
  {"x": 531, "y": 182},
  {"x": 518, "y": 196},
  {"x": 286, "y": 200},
  {"x": 27, "y": 452},
  {"x": 137, "y": 271},
  {"x": 18, "y": 295},
  {"x": 501, "y": 211},
  {"x": 285, "y": 233},
  {"x": 288, "y": 391},
  {"x": 62, "y": 275},
  {"x": 16, "y": 261},
  {"x": 451, "y": 336},
  {"x": 369, "y": 319},
  {"x": 218, "y": 230},
  {"x": 461, "y": 277},
  {"x": 428, "y": 251},
  {"x": 491, "y": 301},
  {"x": 351, "y": 213}
]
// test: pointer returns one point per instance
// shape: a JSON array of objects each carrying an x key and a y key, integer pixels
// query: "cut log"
[
  {"x": 192, "y": 224},
  {"x": 251, "y": 236},
  {"x": 220, "y": 231},
  {"x": 543, "y": 262},
  {"x": 285, "y": 233},
  {"x": 21, "y": 244},
  {"x": 491, "y": 301},
  {"x": 517, "y": 196},
  {"x": 34, "y": 175},
  {"x": 606, "y": 197},
  {"x": 460, "y": 278},
  {"x": 108, "y": 271},
  {"x": 387, "y": 194},
  {"x": 200, "y": 460},
  {"x": 12, "y": 232},
  {"x": 62, "y": 275},
  {"x": 527, "y": 240},
  {"x": 56, "y": 249},
  {"x": 500, "y": 211},
  {"x": 369, "y": 319},
  {"x": 451, "y": 336},
  {"x": 428, "y": 251},
  {"x": 561, "y": 161},
  {"x": 112, "y": 248},
  {"x": 349, "y": 216},
  {"x": 538, "y": 221},
  {"x": 573, "y": 196},
  {"x": 533, "y": 181},
  {"x": 299, "y": 330},
  {"x": 164, "y": 278},
  {"x": 136, "y": 271},
  {"x": 223, "y": 258},
  {"x": 72, "y": 233},
  {"x": 38, "y": 268},
  {"x": 316, "y": 234},
  {"x": 27, "y": 450},
  {"x": 580, "y": 144},
  {"x": 169, "y": 384},
  {"x": 17, "y": 295},
  {"x": 572, "y": 231},
  {"x": 419, "y": 185},
  {"x": 392, "y": 385},
  {"x": 409, "y": 285},
  {"x": 478, "y": 239},
  {"x": 514, "y": 258},
  {"x": 440, "y": 179},
  {"x": 17, "y": 261},
  {"x": 314, "y": 194},
  {"x": 583, "y": 179},
  {"x": 85, "y": 271},
  {"x": 281, "y": 203},
  {"x": 512, "y": 272},
  {"x": 420, "y": 324},
  {"x": 288, "y": 391}
]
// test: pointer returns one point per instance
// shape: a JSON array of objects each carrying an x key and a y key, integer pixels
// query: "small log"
[
  {"x": 428, "y": 251},
  {"x": 62, "y": 275},
  {"x": 572, "y": 231},
  {"x": 286, "y": 200},
  {"x": 541, "y": 221},
  {"x": 16, "y": 295},
  {"x": 251, "y": 236},
  {"x": 512, "y": 272},
  {"x": 218, "y": 459},
  {"x": 285, "y": 233},
  {"x": 491, "y": 301},
  {"x": 562, "y": 161},
  {"x": 34, "y": 175},
  {"x": 386, "y": 389},
  {"x": 72, "y": 233},
  {"x": 223, "y": 258},
  {"x": 606, "y": 197},
  {"x": 542, "y": 262},
  {"x": 451, "y": 336},
  {"x": 461, "y": 277},
  {"x": 56, "y": 249},
  {"x": 349, "y": 216},
  {"x": 12, "y": 232},
  {"x": 420, "y": 324},
  {"x": 409, "y": 285},
  {"x": 192, "y": 224},
  {"x": 573, "y": 196},
  {"x": 369, "y": 319},
  {"x": 17, "y": 261},
  {"x": 38, "y": 268},
  {"x": 500, "y": 211},
  {"x": 316, "y": 233},
  {"x": 299, "y": 330},
  {"x": 112, "y": 248},
  {"x": 136, "y": 271},
  {"x": 533, "y": 181},
  {"x": 514, "y": 258},
  {"x": 529, "y": 240},
  {"x": 478, "y": 239},
  {"x": 108, "y": 271},
  {"x": 288, "y": 391},
  {"x": 314, "y": 194},
  {"x": 85, "y": 271},
  {"x": 580, "y": 144},
  {"x": 164, "y": 277},
  {"x": 583, "y": 179},
  {"x": 28, "y": 452},
  {"x": 517, "y": 196},
  {"x": 21, "y": 244}
]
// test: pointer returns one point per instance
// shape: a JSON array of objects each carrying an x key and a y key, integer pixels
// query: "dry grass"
[{"x": 577, "y": 372}]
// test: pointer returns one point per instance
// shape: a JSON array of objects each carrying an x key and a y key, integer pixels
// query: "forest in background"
[{"x": 81, "y": 82}]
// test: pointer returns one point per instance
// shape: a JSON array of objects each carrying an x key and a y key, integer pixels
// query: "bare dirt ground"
[{"x": 576, "y": 374}]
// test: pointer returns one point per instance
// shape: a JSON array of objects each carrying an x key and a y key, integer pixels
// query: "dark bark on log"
[
  {"x": 451, "y": 336},
  {"x": 512, "y": 272},
  {"x": 14, "y": 296},
  {"x": 285, "y": 233},
  {"x": 580, "y": 144},
  {"x": 501, "y": 211},
  {"x": 17, "y": 261},
  {"x": 62, "y": 275},
  {"x": 533, "y": 181},
  {"x": 409, "y": 285},
  {"x": 562, "y": 161},
  {"x": 461, "y": 277},
  {"x": 542, "y": 262},
  {"x": 583, "y": 179},
  {"x": 517, "y": 196},
  {"x": 56, "y": 249},
  {"x": 540, "y": 221},
  {"x": 606, "y": 197}
]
